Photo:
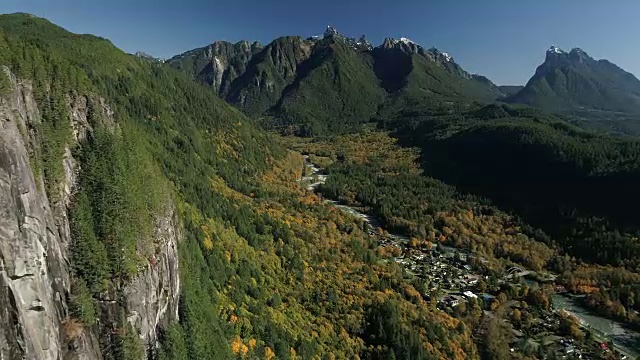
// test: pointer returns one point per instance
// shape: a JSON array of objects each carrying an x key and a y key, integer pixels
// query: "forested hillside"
[
  {"x": 253, "y": 240},
  {"x": 571, "y": 183},
  {"x": 573, "y": 189},
  {"x": 593, "y": 254},
  {"x": 371, "y": 171}
]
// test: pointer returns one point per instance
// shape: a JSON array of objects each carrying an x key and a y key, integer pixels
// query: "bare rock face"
[
  {"x": 34, "y": 277},
  {"x": 34, "y": 240},
  {"x": 268, "y": 73},
  {"x": 218, "y": 64},
  {"x": 152, "y": 297}
]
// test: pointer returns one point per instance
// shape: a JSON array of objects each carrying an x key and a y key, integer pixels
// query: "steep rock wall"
[
  {"x": 34, "y": 276},
  {"x": 34, "y": 240}
]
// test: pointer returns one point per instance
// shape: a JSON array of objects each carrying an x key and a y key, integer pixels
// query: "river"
[{"x": 625, "y": 340}]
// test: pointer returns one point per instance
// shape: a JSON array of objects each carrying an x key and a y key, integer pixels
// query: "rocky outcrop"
[
  {"x": 34, "y": 276},
  {"x": 268, "y": 73},
  {"x": 34, "y": 238},
  {"x": 152, "y": 297},
  {"x": 218, "y": 64},
  {"x": 226, "y": 62}
]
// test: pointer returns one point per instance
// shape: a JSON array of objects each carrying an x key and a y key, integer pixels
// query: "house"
[
  {"x": 453, "y": 300},
  {"x": 470, "y": 279},
  {"x": 457, "y": 300},
  {"x": 470, "y": 295}
]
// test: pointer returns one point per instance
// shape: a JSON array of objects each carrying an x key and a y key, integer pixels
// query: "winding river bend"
[{"x": 625, "y": 340}]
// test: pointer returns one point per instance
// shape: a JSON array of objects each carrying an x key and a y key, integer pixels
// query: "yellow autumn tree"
[{"x": 268, "y": 353}]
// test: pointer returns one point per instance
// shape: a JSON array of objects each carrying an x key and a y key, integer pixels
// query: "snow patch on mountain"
[
  {"x": 555, "y": 50},
  {"x": 406, "y": 41}
]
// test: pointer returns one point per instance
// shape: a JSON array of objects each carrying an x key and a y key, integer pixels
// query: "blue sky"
[{"x": 503, "y": 40}]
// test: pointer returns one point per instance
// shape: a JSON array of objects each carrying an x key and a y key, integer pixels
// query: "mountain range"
[{"x": 284, "y": 81}]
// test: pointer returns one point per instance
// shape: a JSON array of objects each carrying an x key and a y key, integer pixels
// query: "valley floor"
[{"x": 535, "y": 317}]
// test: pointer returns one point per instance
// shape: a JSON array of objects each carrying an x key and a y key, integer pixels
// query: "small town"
[{"x": 452, "y": 276}]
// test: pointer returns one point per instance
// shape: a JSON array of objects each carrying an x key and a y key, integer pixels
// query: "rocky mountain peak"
[
  {"x": 555, "y": 55},
  {"x": 246, "y": 46},
  {"x": 403, "y": 44},
  {"x": 409, "y": 46},
  {"x": 555, "y": 50},
  {"x": 585, "y": 83},
  {"x": 242, "y": 45},
  {"x": 256, "y": 46},
  {"x": 388, "y": 43},
  {"x": 406, "y": 41},
  {"x": 440, "y": 56},
  {"x": 579, "y": 55},
  {"x": 331, "y": 31},
  {"x": 144, "y": 55},
  {"x": 578, "y": 51},
  {"x": 363, "y": 43}
]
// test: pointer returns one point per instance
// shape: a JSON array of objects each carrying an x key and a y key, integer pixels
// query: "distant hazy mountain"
[
  {"x": 574, "y": 80},
  {"x": 144, "y": 55},
  {"x": 510, "y": 89}
]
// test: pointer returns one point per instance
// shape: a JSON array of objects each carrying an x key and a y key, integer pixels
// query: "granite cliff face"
[
  {"x": 35, "y": 279},
  {"x": 218, "y": 64},
  {"x": 34, "y": 276},
  {"x": 249, "y": 75},
  {"x": 152, "y": 297},
  {"x": 268, "y": 74}
]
